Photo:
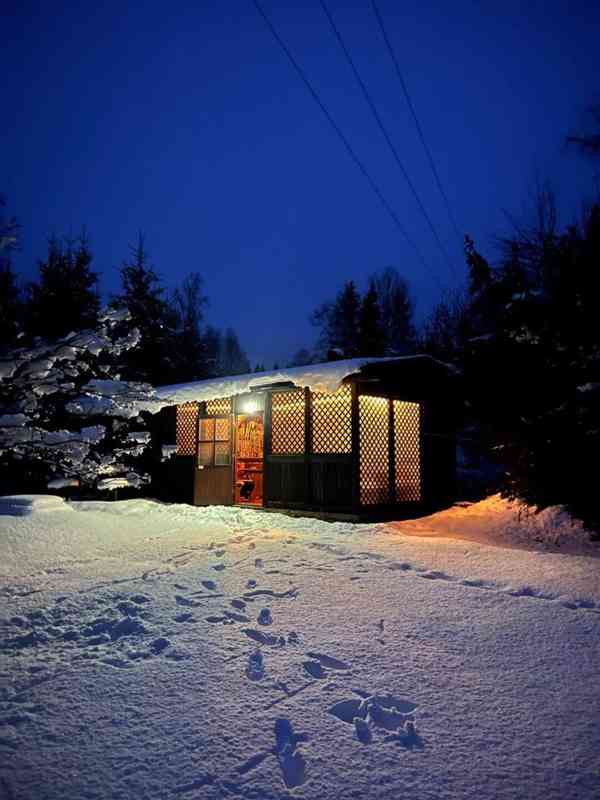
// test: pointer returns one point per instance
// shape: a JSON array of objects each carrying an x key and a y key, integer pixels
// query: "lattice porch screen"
[
  {"x": 373, "y": 414},
  {"x": 186, "y": 427},
  {"x": 331, "y": 420},
  {"x": 218, "y": 406},
  {"x": 287, "y": 422},
  {"x": 407, "y": 446}
]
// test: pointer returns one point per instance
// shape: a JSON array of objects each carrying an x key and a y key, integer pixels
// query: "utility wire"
[
  {"x": 416, "y": 121},
  {"x": 383, "y": 129},
  {"x": 344, "y": 140}
]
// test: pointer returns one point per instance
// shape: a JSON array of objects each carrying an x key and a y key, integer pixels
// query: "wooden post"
[
  {"x": 355, "y": 450},
  {"x": 391, "y": 453},
  {"x": 266, "y": 447},
  {"x": 308, "y": 444}
]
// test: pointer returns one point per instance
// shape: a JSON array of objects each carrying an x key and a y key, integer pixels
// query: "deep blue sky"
[{"x": 187, "y": 121}]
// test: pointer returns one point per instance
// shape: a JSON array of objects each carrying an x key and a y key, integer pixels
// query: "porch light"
[{"x": 249, "y": 407}]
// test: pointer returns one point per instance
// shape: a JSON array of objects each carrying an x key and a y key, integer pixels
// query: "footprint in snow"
[
  {"x": 209, "y": 585},
  {"x": 236, "y": 617},
  {"x": 219, "y": 567},
  {"x": 328, "y": 661},
  {"x": 186, "y": 601},
  {"x": 265, "y": 618},
  {"x": 264, "y": 638},
  {"x": 239, "y": 604},
  {"x": 258, "y": 562},
  {"x": 255, "y": 669},
  {"x": 314, "y": 669},
  {"x": 160, "y": 644},
  {"x": 291, "y": 761},
  {"x": 185, "y": 617},
  {"x": 385, "y": 712}
]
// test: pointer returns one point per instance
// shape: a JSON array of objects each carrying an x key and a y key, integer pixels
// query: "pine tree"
[
  {"x": 480, "y": 273},
  {"x": 142, "y": 294},
  {"x": 10, "y": 296},
  {"x": 338, "y": 324},
  {"x": 533, "y": 378},
  {"x": 447, "y": 328},
  {"x": 212, "y": 346},
  {"x": 372, "y": 341},
  {"x": 396, "y": 310},
  {"x": 233, "y": 360},
  {"x": 345, "y": 321},
  {"x": 66, "y": 282},
  {"x": 189, "y": 356}
]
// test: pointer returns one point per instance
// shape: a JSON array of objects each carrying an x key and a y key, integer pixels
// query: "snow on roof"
[{"x": 318, "y": 377}]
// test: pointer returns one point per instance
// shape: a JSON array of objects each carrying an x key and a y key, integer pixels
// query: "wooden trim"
[
  {"x": 308, "y": 443},
  {"x": 425, "y": 481},
  {"x": 355, "y": 450},
  {"x": 391, "y": 453}
]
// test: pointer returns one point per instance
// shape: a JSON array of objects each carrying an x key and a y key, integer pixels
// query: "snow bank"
[
  {"x": 501, "y": 522},
  {"x": 22, "y": 505}
]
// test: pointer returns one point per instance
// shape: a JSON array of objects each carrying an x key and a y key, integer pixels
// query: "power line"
[
  {"x": 387, "y": 137},
  {"x": 344, "y": 140},
  {"x": 416, "y": 120}
]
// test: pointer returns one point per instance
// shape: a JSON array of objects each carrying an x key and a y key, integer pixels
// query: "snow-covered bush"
[{"x": 67, "y": 420}]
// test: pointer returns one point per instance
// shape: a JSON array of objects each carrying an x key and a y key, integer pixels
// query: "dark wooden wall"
[{"x": 319, "y": 482}]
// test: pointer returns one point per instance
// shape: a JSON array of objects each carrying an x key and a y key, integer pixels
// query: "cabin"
[{"x": 350, "y": 439}]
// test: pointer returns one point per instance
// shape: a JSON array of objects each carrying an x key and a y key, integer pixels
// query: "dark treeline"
[
  {"x": 524, "y": 334},
  {"x": 376, "y": 323},
  {"x": 176, "y": 344},
  {"x": 526, "y": 338}
]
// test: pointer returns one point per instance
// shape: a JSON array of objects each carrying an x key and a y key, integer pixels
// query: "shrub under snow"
[{"x": 67, "y": 420}]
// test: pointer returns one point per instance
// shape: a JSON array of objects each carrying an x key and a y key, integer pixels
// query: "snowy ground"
[{"x": 154, "y": 651}]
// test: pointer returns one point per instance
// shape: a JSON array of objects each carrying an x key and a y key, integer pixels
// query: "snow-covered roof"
[{"x": 318, "y": 377}]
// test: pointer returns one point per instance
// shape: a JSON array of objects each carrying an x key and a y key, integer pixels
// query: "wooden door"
[{"x": 213, "y": 482}]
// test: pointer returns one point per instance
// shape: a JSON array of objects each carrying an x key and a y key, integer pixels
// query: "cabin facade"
[{"x": 381, "y": 444}]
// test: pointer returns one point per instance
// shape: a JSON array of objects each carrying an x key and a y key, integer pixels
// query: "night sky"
[{"x": 186, "y": 120}]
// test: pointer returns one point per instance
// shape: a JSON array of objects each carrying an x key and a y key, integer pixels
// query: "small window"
[{"x": 214, "y": 434}]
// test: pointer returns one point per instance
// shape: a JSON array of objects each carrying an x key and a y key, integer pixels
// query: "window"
[
  {"x": 214, "y": 447},
  {"x": 407, "y": 446},
  {"x": 331, "y": 416},
  {"x": 287, "y": 422},
  {"x": 374, "y": 450},
  {"x": 185, "y": 435}
]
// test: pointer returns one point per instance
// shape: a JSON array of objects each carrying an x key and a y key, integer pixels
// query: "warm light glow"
[{"x": 249, "y": 407}]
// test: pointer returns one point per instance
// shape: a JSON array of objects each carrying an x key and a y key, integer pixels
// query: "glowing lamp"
[{"x": 250, "y": 407}]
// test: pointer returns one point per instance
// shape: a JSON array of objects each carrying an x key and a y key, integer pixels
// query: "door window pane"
[
  {"x": 222, "y": 430},
  {"x": 206, "y": 453},
  {"x": 207, "y": 430},
  {"x": 222, "y": 454}
]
